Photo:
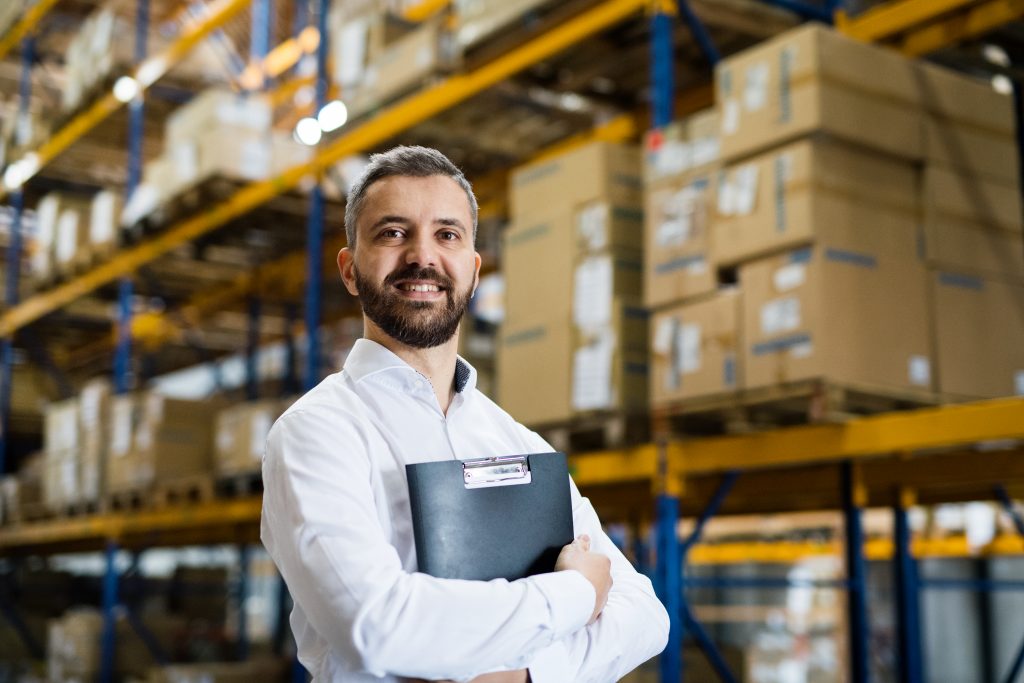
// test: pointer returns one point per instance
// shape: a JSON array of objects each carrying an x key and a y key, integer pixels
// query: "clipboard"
[{"x": 489, "y": 518}]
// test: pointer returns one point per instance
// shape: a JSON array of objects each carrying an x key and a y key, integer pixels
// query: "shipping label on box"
[{"x": 681, "y": 147}]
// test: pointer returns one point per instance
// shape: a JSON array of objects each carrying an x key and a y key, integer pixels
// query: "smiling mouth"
[{"x": 413, "y": 287}]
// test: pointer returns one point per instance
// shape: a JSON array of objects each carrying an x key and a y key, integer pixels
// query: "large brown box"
[
  {"x": 979, "y": 325},
  {"x": 686, "y": 145},
  {"x": 156, "y": 439},
  {"x": 241, "y": 435},
  {"x": 541, "y": 258},
  {"x": 534, "y": 364},
  {"x": 598, "y": 171},
  {"x": 812, "y": 79},
  {"x": 694, "y": 348},
  {"x": 677, "y": 236},
  {"x": 609, "y": 361},
  {"x": 975, "y": 151},
  {"x": 850, "y": 309},
  {"x": 785, "y": 197},
  {"x": 986, "y": 202},
  {"x": 94, "y": 402}
]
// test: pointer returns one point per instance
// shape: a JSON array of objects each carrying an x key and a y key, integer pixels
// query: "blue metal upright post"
[
  {"x": 315, "y": 222},
  {"x": 252, "y": 352},
  {"x": 243, "y": 593},
  {"x": 670, "y": 580},
  {"x": 13, "y": 258},
  {"x": 907, "y": 602},
  {"x": 663, "y": 83},
  {"x": 259, "y": 36},
  {"x": 107, "y": 638},
  {"x": 856, "y": 577},
  {"x": 699, "y": 32}
]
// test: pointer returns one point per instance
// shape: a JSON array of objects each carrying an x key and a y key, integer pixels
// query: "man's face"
[{"x": 414, "y": 267}]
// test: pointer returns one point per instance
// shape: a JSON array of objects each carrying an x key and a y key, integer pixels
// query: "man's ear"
[
  {"x": 476, "y": 272},
  {"x": 347, "y": 268}
]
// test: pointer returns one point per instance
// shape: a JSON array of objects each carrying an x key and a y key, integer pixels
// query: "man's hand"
[{"x": 595, "y": 567}]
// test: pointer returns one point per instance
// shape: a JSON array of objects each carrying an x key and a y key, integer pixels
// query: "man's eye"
[
  {"x": 449, "y": 235},
  {"x": 391, "y": 233}
]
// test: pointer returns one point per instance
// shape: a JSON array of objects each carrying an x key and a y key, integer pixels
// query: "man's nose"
[{"x": 421, "y": 251}]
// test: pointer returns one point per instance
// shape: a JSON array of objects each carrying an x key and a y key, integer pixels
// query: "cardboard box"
[
  {"x": 60, "y": 426},
  {"x": 105, "y": 222},
  {"x": 534, "y": 370},
  {"x": 677, "y": 239},
  {"x": 95, "y": 401},
  {"x": 71, "y": 251},
  {"x": 955, "y": 97},
  {"x": 542, "y": 259},
  {"x": 851, "y": 309},
  {"x": 812, "y": 79},
  {"x": 599, "y": 171},
  {"x": 681, "y": 147},
  {"x": 973, "y": 151},
  {"x": 224, "y": 110},
  {"x": 978, "y": 323},
  {"x": 950, "y": 243},
  {"x": 241, "y": 435},
  {"x": 695, "y": 348},
  {"x": 609, "y": 361},
  {"x": 985, "y": 202},
  {"x": 785, "y": 197}
]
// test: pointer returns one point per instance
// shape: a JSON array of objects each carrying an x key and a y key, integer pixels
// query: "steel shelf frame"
[{"x": 26, "y": 26}]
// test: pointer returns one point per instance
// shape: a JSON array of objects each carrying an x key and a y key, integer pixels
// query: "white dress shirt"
[{"x": 336, "y": 521}]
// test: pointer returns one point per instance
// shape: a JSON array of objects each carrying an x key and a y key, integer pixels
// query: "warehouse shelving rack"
[{"x": 872, "y": 460}]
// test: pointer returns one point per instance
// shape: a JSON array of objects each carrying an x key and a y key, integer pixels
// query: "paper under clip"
[{"x": 509, "y": 470}]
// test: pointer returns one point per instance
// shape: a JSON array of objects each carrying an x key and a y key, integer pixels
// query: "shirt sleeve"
[
  {"x": 632, "y": 628},
  {"x": 322, "y": 527}
]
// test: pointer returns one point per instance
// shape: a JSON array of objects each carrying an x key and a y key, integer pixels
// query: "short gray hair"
[{"x": 412, "y": 161}]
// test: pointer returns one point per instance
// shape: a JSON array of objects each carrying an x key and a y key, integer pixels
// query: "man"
[{"x": 336, "y": 514}]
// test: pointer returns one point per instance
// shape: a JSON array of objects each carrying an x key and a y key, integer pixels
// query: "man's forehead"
[{"x": 392, "y": 192}]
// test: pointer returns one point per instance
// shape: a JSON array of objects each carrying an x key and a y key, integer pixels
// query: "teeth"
[{"x": 421, "y": 288}]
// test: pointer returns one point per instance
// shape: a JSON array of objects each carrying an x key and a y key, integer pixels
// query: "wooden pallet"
[
  {"x": 598, "y": 431},
  {"x": 184, "y": 491},
  {"x": 815, "y": 401},
  {"x": 81, "y": 508},
  {"x": 240, "y": 484},
  {"x": 128, "y": 500}
]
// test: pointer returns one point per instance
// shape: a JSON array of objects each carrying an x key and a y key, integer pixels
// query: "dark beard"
[{"x": 413, "y": 323}]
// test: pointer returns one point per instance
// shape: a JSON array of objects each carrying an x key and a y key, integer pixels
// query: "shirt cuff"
[
  {"x": 551, "y": 665},
  {"x": 571, "y": 600}
]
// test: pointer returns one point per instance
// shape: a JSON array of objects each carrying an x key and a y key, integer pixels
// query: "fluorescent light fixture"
[
  {"x": 996, "y": 55},
  {"x": 126, "y": 89},
  {"x": 1002, "y": 84},
  {"x": 333, "y": 116},
  {"x": 308, "y": 131}
]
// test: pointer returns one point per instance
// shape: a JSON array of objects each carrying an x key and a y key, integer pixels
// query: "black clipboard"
[{"x": 490, "y": 518}]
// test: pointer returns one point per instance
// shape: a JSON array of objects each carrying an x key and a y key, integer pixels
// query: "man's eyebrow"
[
  {"x": 452, "y": 222},
  {"x": 383, "y": 220}
]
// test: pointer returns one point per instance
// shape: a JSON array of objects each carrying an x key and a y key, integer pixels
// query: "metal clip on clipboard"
[{"x": 508, "y": 470}]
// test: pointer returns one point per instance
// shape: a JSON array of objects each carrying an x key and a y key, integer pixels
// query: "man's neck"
[{"x": 437, "y": 364}]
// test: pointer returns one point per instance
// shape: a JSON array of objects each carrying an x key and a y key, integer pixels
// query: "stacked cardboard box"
[
  {"x": 241, "y": 435},
  {"x": 105, "y": 223},
  {"x": 694, "y": 323},
  {"x": 378, "y": 56},
  {"x": 155, "y": 439},
  {"x": 61, "y": 244},
  {"x": 21, "y": 495},
  {"x": 97, "y": 53},
  {"x": 574, "y": 337},
  {"x": 60, "y": 447},
  {"x": 479, "y": 20},
  {"x": 94, "y": 437}
]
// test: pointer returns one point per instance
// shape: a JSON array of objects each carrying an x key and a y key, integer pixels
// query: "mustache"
[{"x": 418, "y": 273}]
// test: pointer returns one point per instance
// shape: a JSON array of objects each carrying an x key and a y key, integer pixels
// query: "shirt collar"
[{"x": 370, "y": 358}]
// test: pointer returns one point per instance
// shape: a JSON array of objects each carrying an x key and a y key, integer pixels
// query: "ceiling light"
[
  {"x": 1002, "y": 84},
  {"x": 126, "y": 89},
  {"x": 308, "y": 131},
  {"x": 996, "y": 55},
  {"x": 333, "y": 116}
]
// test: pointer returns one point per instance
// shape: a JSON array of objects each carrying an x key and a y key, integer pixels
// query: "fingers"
[{"x": 583, "y": 542}]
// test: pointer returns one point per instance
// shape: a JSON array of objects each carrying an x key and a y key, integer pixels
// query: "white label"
[
  {"x": 755, "y": 91},
  {"x": 726, "y": 195},
  {"x": 698, "y": 266},
  {"x": 121, "y": 427},
  {"x": 730, "y": 116},
  {"x": 687, "y": 358},
  {"x": 67, "y": 478},
  {"x": 705, "y": 151},
  {"x": 259, "y": 429},
  {"x": 592, "y": 225},
  {"x": 226, "y": 436},
  {"x": 780, "y": 315},
  {"x": 919, "y": 370},
  {"x": 789, "y": 277},
  {"x": 662, "y": 344},
  {"x": 801, "y": 350},
  {"x": 746, "y": 189},
  {"x": 592, "y": 375},
  {"x": 675, "y": 156},
  {"x": 351, "y": 55},
  {"x": 592, "y": 296},
  {"x": 1018, "y": 382}
]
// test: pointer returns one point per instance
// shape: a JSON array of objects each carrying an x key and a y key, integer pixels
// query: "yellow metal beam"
[
  {"x": 147, "y": 73},
  {"x": 615, "y": 467},
  {"x": 424, "y": 9},
  {"x": 384, "y": 126},
  {"x": 893, "y": 18},
  {"x": 973, "y": 22},
  {"x": 25, "y": 26},
  {"x": 943, "y": 427}
]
